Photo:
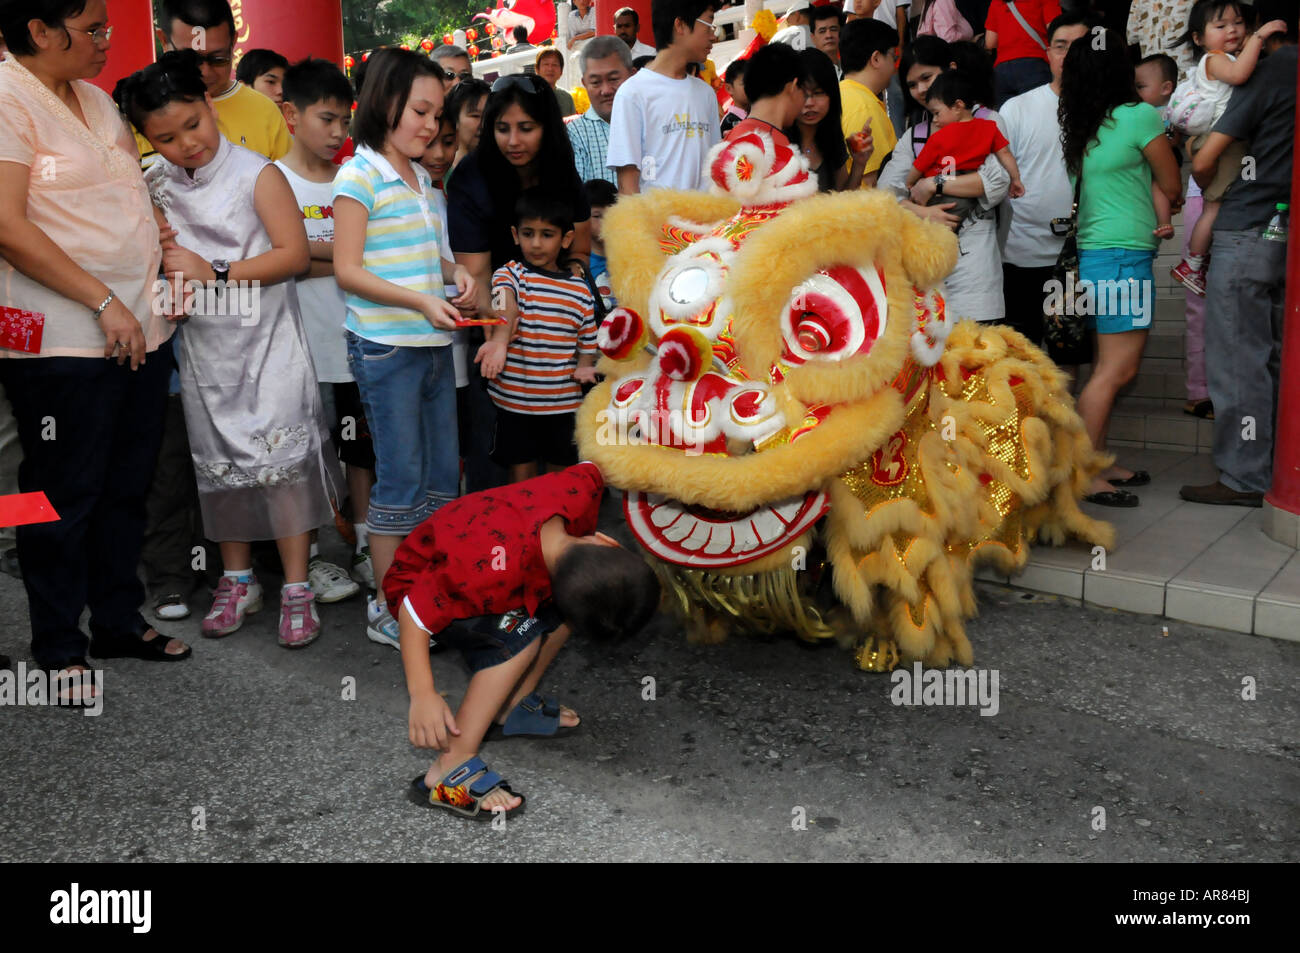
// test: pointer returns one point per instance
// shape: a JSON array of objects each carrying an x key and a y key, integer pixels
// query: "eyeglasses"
[
  {"x": 463, "y": 74},
  {"x": 102, "y": 35},
  {"x": 708, "y": 23},
  {"x": 216, "y": 59},
  {"x": 515, "y": 81}
]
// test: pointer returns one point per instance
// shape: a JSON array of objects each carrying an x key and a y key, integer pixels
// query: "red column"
[
  {"x": 132, "y": 47},
  {"x": 605, "y": 18},
  {"x": 1285, "y": 494},
  {"x": 293, "y": 28}
]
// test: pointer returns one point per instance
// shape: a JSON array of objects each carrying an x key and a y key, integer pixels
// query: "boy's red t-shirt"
[
  {"x": 968, "y": 144},
  {"x": 480, "y": 555}
]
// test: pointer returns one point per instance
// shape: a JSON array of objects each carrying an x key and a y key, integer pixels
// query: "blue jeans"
[
  {"x": 409, "y": 397},
  {"x": 1243, "y": 354}
]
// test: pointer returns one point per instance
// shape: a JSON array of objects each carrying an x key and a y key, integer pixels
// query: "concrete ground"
[{"x": 1097, "y": 709}]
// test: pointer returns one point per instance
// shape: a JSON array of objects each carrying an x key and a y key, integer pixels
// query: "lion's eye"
[
  {"x": 689, "y": 285},
  {"x": 836, "y": 314}
]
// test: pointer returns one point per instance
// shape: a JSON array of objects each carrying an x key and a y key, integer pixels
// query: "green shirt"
[{"x": 1115, "y": 205}]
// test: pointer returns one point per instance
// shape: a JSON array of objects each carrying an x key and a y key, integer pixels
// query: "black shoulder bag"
[{"x": 1065, "y": 332}]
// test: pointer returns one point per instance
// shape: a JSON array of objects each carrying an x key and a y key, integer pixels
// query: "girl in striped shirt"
[{"x": 539, "y": 359}]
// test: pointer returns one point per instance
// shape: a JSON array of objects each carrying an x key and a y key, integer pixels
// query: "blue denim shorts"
[
  {"x": 488, "y": 640},
  {"x": 409, "y": 398},
  {"x": 1123, "y": 288}
]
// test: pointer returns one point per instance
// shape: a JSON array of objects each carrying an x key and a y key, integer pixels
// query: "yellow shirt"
[
  {"x": 246, "y": 118},
  {"x": 858, "y": 106}
]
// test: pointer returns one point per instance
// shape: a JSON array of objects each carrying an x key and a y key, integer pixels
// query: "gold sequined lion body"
[{"x": 805, "y": 440}]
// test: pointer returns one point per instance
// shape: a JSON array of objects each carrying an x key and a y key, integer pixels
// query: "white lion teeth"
[
  {"x": 680, "y": 529},
  {"x": 767, "y": 526},
  {"x": 719, "y": 540},
  {"x": 665, "y": 514},
  {"x": 698, "y": 537},
  {"x": 745, "y": 537}
]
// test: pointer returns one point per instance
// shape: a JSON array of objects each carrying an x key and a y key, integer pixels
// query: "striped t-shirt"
[
  {"x": 405, "y": 242},
  {"x": 557, "y": 324}
]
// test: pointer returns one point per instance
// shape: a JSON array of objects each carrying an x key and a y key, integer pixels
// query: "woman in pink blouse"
[{"x": 80, "y": 246}]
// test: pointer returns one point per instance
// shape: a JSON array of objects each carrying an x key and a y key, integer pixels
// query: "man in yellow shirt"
[
  {"x": 867, "y": 52},
  {"x": 244, "y": 116}
]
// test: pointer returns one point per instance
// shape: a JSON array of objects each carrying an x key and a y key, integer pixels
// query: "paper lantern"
[
  {"x": 496, "y": 42},
  {"x": 405, "y": 47},
  {"x": 348, "y": 62},
  {"x": 491, "y": 29},
  {"x": 471, "y": 34},
  {"x": 448, "y": 39},
  {"x": 473, "y": 50},
  {"x": 426, "y": 45},
  {"x": 364, "y": 57}
]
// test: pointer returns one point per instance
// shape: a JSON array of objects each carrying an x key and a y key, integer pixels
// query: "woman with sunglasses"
[
  {"x": 522, "y": 145},
  {"x": 79, "y": 247}
]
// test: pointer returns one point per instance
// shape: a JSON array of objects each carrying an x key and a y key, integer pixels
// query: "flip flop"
[
  {"x": 1119, "y": 498},
  {"x": 1139, "y": 478},
  {"x": 136, "y": 646},
  {"x": 463, "y": 789},
  {"x": 534, "y": 717},
  {"x": 66, "y": 681}
]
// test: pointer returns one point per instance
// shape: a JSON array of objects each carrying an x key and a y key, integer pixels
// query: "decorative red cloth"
[{"x": 480, "y": 554}]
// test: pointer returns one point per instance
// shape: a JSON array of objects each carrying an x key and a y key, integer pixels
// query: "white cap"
[{"x": 797, "y": 6}]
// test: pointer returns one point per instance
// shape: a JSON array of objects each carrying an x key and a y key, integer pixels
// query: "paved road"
[{"x": 1097, "y": 709}]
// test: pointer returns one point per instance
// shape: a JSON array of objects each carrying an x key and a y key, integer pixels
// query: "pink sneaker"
[
  {"x": 1192, "y": 279},
  {"x": 299, "y": 625},
  {"x": 233, "y": 601}
]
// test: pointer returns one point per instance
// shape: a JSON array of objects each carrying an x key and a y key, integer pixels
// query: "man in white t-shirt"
[
  {"x": 795, "y": 33},
  {"x": 665, "y": 121},
  {"x": 627, "y": 24},
  {"x": 1030, "y": 248}
]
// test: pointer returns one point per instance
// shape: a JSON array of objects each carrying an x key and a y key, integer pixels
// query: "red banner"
[
  {"x": 605, "y": 18},
  {"x": 132, "y": 47},
  {"x": 295, "y": 29}
]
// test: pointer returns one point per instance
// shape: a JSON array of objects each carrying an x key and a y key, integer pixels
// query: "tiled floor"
[{"x": 1212, "y": 565}]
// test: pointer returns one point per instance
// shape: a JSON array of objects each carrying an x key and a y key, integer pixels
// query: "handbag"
[{"x": 1065, "y": 331}]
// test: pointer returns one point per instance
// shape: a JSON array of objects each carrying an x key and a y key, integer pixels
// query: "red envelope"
[
  {"x": 478, "y": 322},
  {"x": 23, "y": 508},
  {"x": 21, "y": 330}
]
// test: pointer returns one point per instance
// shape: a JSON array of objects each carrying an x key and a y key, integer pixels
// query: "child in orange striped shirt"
[{"x": 539, "y": 359}]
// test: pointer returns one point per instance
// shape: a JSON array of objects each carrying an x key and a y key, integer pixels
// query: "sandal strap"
[{"x": 472, "y": 777}]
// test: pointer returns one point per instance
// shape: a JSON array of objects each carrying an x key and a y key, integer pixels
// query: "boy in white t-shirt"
[
  {"x": 665, "y": 121},
  {"x": 318, "y": 107}
]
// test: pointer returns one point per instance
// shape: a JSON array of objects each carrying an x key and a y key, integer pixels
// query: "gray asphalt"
[{"x": 1097, "y": 709}]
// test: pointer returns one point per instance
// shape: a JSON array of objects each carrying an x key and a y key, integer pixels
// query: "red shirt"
[
  {"x": 746, "y": 126},
  {"x": 1013, "y": 42},
  {"x": 960, "y": 147},
  {"x": 480, "y": 554}
]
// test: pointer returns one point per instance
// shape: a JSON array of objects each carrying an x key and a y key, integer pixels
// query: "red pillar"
[
  {"x": 1285, "y": 494},
  {"x": 605, "y": 18},
  {"x": 132, "y": 47},
  {"x": 293, "y": 28}
]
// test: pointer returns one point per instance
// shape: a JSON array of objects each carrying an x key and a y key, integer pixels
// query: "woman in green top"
[{"x": 1117, "y": 144}]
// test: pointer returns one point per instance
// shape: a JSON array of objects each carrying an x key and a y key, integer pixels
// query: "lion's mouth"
[{"x": 697, "y": 536}]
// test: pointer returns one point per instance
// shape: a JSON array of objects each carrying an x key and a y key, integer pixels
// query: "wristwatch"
[
  {"x": 939, "y": 180},
  {"x": 221, "y": 268}
]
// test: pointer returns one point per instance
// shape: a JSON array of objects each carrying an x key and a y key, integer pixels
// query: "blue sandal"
[
  {"x": 463, "y": 789},
  {"x": 534, "y": 717}
]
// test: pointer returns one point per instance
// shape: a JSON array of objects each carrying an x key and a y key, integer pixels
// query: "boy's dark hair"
[
  {"x": 388, "y": 86},
  {"x": 641, "y": 62},
  {"x": 664, "y": 13},
  {"x": 1078, "y": 18},
  {"x": 976, "y": 64},
  {"x": 824, "y": 12},
  {"x": 204, "y": 13},
  {"x": 520, "y": 33},
  {"x": 256, "y": 62},
  {"x": 771, "y": 69},
  {"x": 1203, "y": 11},
  {"x": 604, "y": 592},
  {"x": 601, "y": 193},
  {"x": 14, "y": 18},
  {"x": 951, "y": 87},
  {"x": 466, "y": 91},
  {"x": 543, "y": 205},
  {"x": 1168, "y": 68},
  {"x": 311, "y": 81},
  {"x": 860, "y": 39},
  {"x": 174, "y": 78},
  {"x": 735, "y": 69}
]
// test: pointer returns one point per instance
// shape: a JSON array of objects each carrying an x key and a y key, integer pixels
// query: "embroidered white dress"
[{"x": 263, "y": 459}]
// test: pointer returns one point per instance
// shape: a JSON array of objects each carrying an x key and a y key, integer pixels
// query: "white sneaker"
[
  {"x": 363, "y": 569},
  {"x": 381, "y": 627},
  {"x": 329, "y": 582}
]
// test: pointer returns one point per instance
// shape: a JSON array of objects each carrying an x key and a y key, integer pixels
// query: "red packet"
[
  {"x": 21, "y": 330},
  {"x": 478, "y": 322},
  {"x": 23, "y": 508}
]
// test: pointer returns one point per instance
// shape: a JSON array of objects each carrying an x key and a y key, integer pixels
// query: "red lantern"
[
  {"x": 496, "y": 42},
  {"x": 491, "y": 29},
  {"x": 348, "y": 61},
  {"x": 472, "y": 50},
  {"x": 426, "y": 45},
  {"x": 471, "y": 34},
  {"x": 496, "y": 53},
  {"x": 405, "y": 47},
  {"x": 364, "y": 57},
  {"x": 448, "y": 39}
]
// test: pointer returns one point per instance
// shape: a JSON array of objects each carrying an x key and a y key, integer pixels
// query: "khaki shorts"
[{"x": 1229, "y": 171}]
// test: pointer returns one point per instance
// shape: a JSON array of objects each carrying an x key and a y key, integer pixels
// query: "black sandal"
[
  {"x": 1139, "y": 478},
  {"x": 137, "y": 646},
  {"x": 1120, "y": 498},
  {"x": 66, "y": 681}
]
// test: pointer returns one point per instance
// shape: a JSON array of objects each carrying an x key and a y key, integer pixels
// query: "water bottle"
[{"x": 1277, "y": 225}]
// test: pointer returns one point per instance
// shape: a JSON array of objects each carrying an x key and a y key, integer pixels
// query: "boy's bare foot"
[
  {"x": 447, "y": 762},
  {"x": 568, "y": 717}
]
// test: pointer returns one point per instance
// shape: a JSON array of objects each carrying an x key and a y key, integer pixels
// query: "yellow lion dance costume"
[{"x": 805, "y": 440}]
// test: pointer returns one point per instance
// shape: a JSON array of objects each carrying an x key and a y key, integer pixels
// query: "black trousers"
[
  {"x": 90, "y": 431},
  {"x": 174, "y": 522},
  {"x": 1024, "y": 296}
]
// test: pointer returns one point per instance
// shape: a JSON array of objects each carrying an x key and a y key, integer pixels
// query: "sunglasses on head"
[{"x": 516, "y": 81}]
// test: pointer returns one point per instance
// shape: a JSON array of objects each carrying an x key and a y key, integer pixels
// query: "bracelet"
[{"x": 99, "y": 312}]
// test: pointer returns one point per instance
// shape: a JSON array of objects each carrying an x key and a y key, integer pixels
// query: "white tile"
[
  {"x": 1168, "y": 428},
  {"x": 1124, "y": 426},
  {"x": 1164, "y": 549},
  {"x": 1207, "y": 605},
  {"x": 1282, "y": 525},
  {"x": 1241, "y": 561},
  {"x": 1279, "y": 620},
  {"x": 1129, "y": 593},
  {"x": 1053, "y": 579}
]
